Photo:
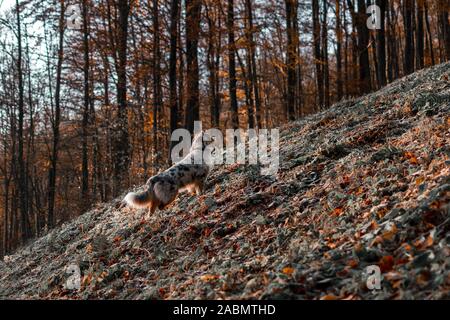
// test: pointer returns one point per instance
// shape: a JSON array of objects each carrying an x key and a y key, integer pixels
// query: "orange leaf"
[
  {"x": 388, "y": 235},
  {"x": 329, "y": 297},
  {"x": 209, "y": 277},
  {"x": 288, "y": 270},
  {"x": 359, "y": 191},
  {"x": 373, "y": 225},
  {"x": 428, "y": 242},
  {"x": 337, "y": 211},
  {"x": 386, "y": 263},
  {"x": 419, "y": 180},
  {"x": 411, "y": 157},
  {"x": 352, "y": 263},
  {"x": 207, "y": 232}
]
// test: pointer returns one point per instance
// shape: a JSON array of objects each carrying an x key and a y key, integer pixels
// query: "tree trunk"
[
  {"x": 444, "y": 27},
  {"x": 157, "y": 91},
  {"x": 429, "y": 38},
  {"x": 253, "y": 76},
  {"x": 381, "y": 46},
  {"x": 55, "y": 124},
  {"x": 210, "y": 60},
  {"x": 325, "y": 67},
  {"x": 232, "y": 65},
  {"x": 173, "y": 99},
  {"x": 338, "y": 30},
  {"x": 120, "y": 140},
  {"x": 193, "y": 16},
  {"x": 408, "y": 7},
  {"x": 359, "y": 21},
  {"x": 85, "y": 121},
  {"x": 420, "y": 34},
  {"x": 317, "y": 51},
  {"x": 21, "y": 183},
  {"x": 292, "y": 44}
]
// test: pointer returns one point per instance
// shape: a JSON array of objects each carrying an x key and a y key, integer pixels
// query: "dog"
[{"x": 162, "y": 189}]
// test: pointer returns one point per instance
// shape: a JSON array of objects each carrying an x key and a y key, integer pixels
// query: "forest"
[{"x": 91, "y": 90}]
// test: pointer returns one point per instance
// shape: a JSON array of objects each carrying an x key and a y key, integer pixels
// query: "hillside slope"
[{"x": 366, "y": 182}]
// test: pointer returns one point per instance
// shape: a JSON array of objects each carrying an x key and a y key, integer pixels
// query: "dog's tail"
[{"x": 138, "y": 200}]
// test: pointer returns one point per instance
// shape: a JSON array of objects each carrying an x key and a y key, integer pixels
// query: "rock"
[
  {"x": 250, "y": 285},
  {"x": 260, "y": 220}
]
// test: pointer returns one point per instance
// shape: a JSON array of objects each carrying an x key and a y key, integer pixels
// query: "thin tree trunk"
[
  {"x": 173, "y": 99},
  {"x": 408, "y": 7},
  {"x": 292, "y": 44},
  {"x": 420, "y": 34},
  {"x": 232, "y": 65},
  {"x": 85, "y": 121},
  {"x": 55, "y": 125},
  {"x": 120, "y": 140},
  {"x": 430, "y": 39},
  {"x": 157, "y": 91},
  {"x": 254, "y": 77},
  {"x": 339, "y": 84},
  {"x": 317, "y": 51},
  {"x": 444, "y": 27},
  {"x": 31, "y": 146},
  {"x": 21, "y": 183},
  {"x": 248, "y": 95},
  {"x": 325, "y": 67},
  {"x": 193, "y": 15},
  {"x": 210, "y": 60},
  {"x": 181, "y": 73},
  {"x": 359, "y": 20},
  {"x": 381, "y": 46}
]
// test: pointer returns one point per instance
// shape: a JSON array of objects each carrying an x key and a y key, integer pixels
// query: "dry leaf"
[
  {"x": 288, "y": 270},
  {"x": 337, "y": 211},
  {"x": 209, "y": 277},
  {"x": 329, "y": 297},
  {"x": 386, "y": 263}
]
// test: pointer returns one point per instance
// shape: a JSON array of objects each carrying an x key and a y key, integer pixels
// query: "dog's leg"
[
  {"x": 192, "y": 189},
  {"x": 170, "y": 198},
  {"x": 153, "y": 206},
  {"x": 199, "y": 187}
]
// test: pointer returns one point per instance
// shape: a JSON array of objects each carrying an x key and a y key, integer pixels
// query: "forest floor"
[{"x": 366, "y": 182}]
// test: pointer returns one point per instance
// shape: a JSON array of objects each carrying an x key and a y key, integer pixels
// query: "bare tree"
[
  {"x": 232, "y": 65},
  {"x": 120, "y": 140},
  {"x": 193, "y": 11}
]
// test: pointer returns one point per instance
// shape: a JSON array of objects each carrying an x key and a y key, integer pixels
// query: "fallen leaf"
[
  {"x": 209, "y": 277},
  {"x": 337, "y": 211},
  {"x": 386, "y": 263},
  {"x": 329, "y": 297},
  {"x": 352, "y": 263},
  {"x": 411, "y": 157},
  {"x": 288, "y": 270},
  {"x": 388, "y": 235}
]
